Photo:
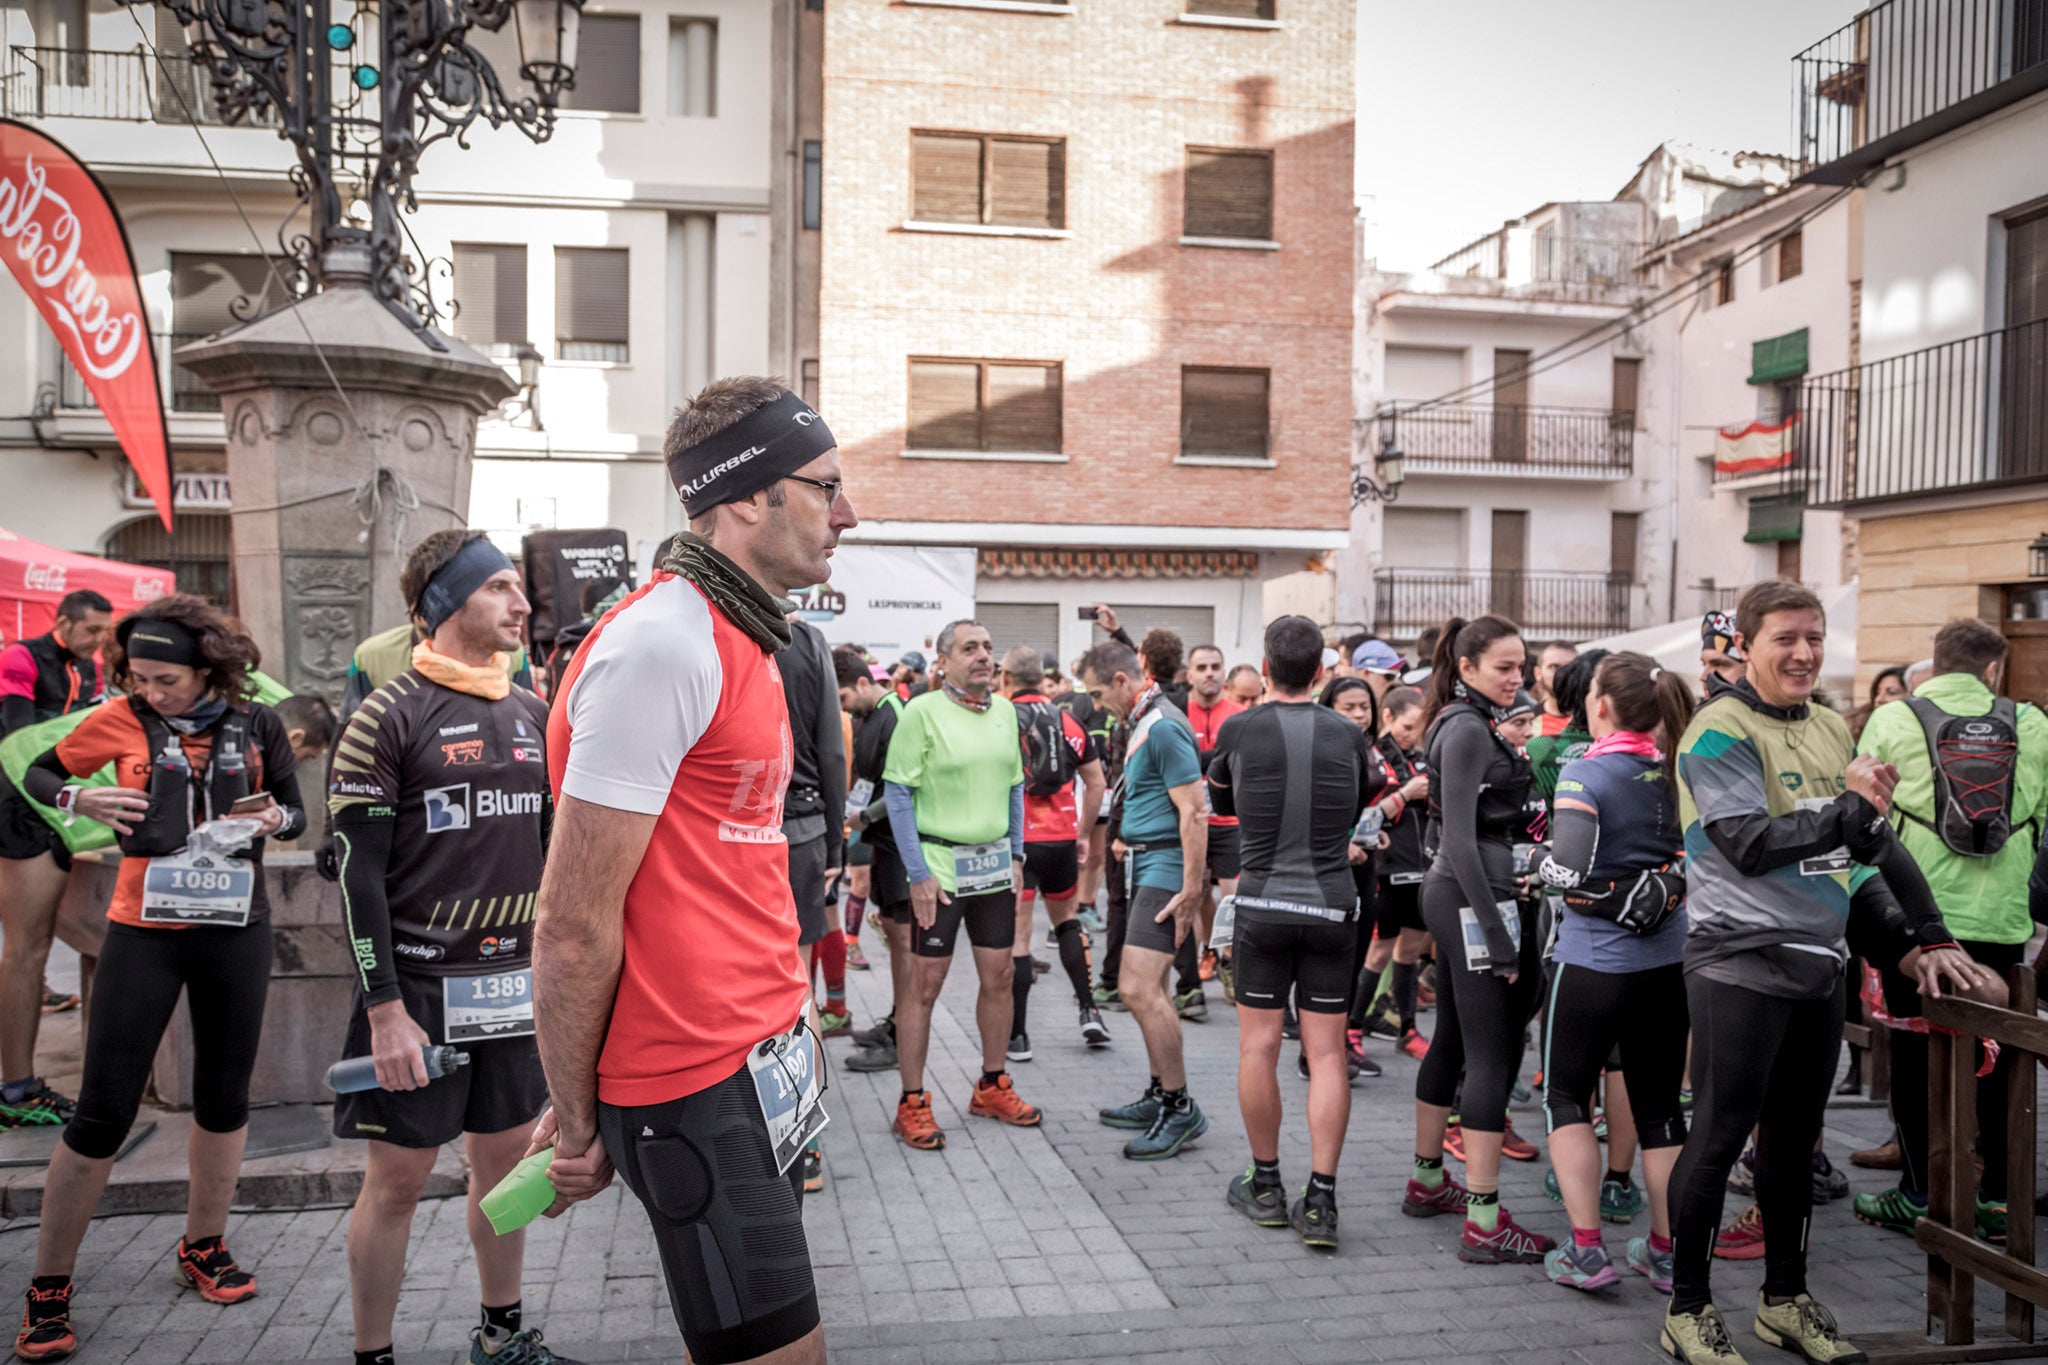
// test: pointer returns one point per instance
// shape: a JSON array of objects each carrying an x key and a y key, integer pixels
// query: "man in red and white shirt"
[
  {"x": 1209, "y": 705},
  {"x": 670, "y": 994}
]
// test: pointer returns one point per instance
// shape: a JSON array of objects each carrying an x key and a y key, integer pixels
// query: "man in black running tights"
[{"x": 1296, "y": 775}]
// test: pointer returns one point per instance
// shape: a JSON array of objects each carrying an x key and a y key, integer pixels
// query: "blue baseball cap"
[{"x": 1376, "y": 656}]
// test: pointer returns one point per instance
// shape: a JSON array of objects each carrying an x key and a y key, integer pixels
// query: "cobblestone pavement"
[{"x": 1009, "y": 1245}]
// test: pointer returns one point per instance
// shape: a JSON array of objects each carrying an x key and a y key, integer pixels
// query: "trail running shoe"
[
  {"x": 1094, "y": 1032},
  {"x": 1600, "y": 1124},
  {"x": 207, "y": 1267},
  {"x": 40, "y": 1107},
  {"x": 1314, "y": 1216},
  {"x": 1743, "y": 1239},
  {"x": 878, "y": 1057},
  {"x": 1577, "y": 1267},
  {"x": 1699, "y": 1338},
  {"x": 835, "y": 1024},
  {"x": 1192, "y": 1005},
  {"x": 1384, "y": 1021},
  {"x": 1415, "y": 1045},
  {"x": 1742, "y": 1179},
  {"x": 882, "y": 1031},
  {"x": 1804, "y": 1326},
  {"x": 1620, "y": 1203},
  {"x": 1514, "y": 1146},
  {"x": 1020, "y": 1047},
  {"x": 1883, "y": 1157},
  {"x": 524, "y": 1348},
  {"x": 915, "y": 1124},
  {"x": 1227, "y": 979},
  {"x": 1828, "y": 1183},
  {"x": 1427, "y": 1201},
  {"x": 1508, "y": 1244},
  {"x": 1654, "y": 1265},
  {"x": 855, "y": 957},
  {"x": 1991, "y": 1219},
  {"x": 1454, "y": 1141},
  {"x": 56, "y": 1001},
  {"x": 1893, "y": 1210},
  {"x": 1520, "y": 1093},
  {"x": 1139, "y": 1113},
  {"x": 1265, "y": 1205},
  {"x": 46, "y": 1325},
  {"x": 1001, "y": 1101},
  {"x": 1108, "y": 998},
  {"x": 814, "y": 1170},
  {"x": 1171, "y": 1130},
  {"x": 1550, "y": 1189}
]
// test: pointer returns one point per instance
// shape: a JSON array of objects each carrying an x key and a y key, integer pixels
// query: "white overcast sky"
[{"x": 1474, "y": 111}]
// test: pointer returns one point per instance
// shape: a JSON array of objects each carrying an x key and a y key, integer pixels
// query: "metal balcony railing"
[
  {"x": 1968, "y": 414},
  {"x": 134, "y": 86},
  {"x": 1551, "y": 259},
  {"x": 1509, "y": 438},
  {"x": 188, "y": 392},
  {"x": 1905, "y": 71},
  {"x": 1577, "y": 605}
]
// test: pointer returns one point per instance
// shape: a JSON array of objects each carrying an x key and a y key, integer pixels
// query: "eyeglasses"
[{"x": 833, "y": 487}]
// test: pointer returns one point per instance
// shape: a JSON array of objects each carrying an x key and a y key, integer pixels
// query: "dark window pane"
[
  {"x": 592, "y": 292},
  {"x": 607, "y": 65},
  {"x": 1233, "y": 9},
  {"x": 1229, "y": 194},
  {"x": 1223, "y": 413}
]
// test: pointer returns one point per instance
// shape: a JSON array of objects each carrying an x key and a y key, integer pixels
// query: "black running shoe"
[
  {"x": 1094, "y": 1032},
  {"x": 1314, "y": 1216},
  {"x": 1265, "y": 1205}
]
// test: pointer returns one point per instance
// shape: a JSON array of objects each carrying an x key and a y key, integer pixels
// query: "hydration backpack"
[
  {"x": 1049, "y": 761},
  {"x": 1974, "y": 758}
]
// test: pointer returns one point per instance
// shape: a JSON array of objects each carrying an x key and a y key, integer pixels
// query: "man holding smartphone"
[{"x": 439, "y": 796}]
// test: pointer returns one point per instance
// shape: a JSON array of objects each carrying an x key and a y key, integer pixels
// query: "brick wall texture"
[{"x": 1121, "y": 303}]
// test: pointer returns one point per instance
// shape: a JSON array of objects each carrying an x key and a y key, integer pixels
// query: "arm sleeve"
[
  {"x": 1372, "y": 776},
  {"x": 362, "y": 834},
  {"x": 1222, "y": 798},
  {"x": 648, "y": 689},
  {"x": 1878, "y": 931},
  {"x": 831, "y": 754},
  {"x": 281, "y": 774},
  {"x": 902, "y": 807},
  {"x": 1466, "y": 754},
  {"x": 1574, "y": 842},
  {"x": 1017, "y": 821},
  {"x": 1903, "y": 878},
  {"x": 45, "y": 778},
  {"x": 1123, "y": 637},
  {"x": 16, "y": 712}
]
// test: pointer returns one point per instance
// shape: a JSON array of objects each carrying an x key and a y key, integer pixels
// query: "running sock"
[
  {"x": 831, "y": 954},
  {"x": 500, "y": 1326},
  {"x": 381, "y": 1356},
  {"x": 1265, "y": 1174},
  {"x": 1318, "y": 1183},
  {"x": 1585, "y": 1237},
  {"x": 1020, "y": 993},
  {"x": 910, "y": 1095},
  {"x": 1482, "y": 1210},
  {"x": 1620, "y": 1178},
  {"x": 14, "y": 1092},
  {"x": 1429, "y": 1171},
  {"x": 1659, "y": 1243},
  {"x": 991, "y": 1077},
  {"x": 1368, "y": 992},
  {"x": 1403, "y": 984},
  {"x": 856, "y": 913},
  {"x": 1176, "y": 1100},
  {"x": 1186, "y": 959},
  {"x": 1073, "y": 949}
]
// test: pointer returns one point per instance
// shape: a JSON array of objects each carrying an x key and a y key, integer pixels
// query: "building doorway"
[{"x": 197, "y": 553}]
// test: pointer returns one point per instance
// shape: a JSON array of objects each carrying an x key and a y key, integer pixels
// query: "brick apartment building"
[{"x": 1086, "y": 299}]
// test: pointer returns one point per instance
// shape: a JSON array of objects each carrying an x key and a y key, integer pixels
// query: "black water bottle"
[{"x": 166, "y": 825}]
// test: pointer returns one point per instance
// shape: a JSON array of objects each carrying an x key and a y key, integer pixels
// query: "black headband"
[
  {"x": 451, "y": 584},
  {"x": 767, "y": 445},
  {"x": 164, "y": 642}
]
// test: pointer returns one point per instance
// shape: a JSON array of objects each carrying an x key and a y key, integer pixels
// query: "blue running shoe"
[
  {"x": 1172, "y": 1130},
  {"x": 1620, "y": 1203},
  {"x": 1141, "y": 1112}
]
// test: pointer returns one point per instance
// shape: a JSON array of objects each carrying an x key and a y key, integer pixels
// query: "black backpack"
[
  {"x": 1049, "y": 762},
  {"x": 1974, "y": 761}
]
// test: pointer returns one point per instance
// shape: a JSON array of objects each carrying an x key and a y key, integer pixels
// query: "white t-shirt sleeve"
[{"x": 646, "y": 695}]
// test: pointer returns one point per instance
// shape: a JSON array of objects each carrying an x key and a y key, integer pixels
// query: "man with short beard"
[{"x": 1208, "y": 707}]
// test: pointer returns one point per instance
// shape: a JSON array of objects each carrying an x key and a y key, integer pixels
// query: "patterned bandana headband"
[
  {"x": 1717, "y": 634},
  {"x": 762, "y": 448}
]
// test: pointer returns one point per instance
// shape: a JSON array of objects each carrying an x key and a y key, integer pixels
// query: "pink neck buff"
[{"x": 1625, "y": 742}]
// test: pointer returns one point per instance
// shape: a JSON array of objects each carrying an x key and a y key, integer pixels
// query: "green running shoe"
[
  {"x": 40, "y": 1107},
  {"x": 1804, "y": 1326},
  {"x": 1892, "y": 1210},
  {"x": 1172, "y": 1130},
  {"x": 1620, "y": 1203},
  {"x": 1192, "y": 1005},
  {"x": 1265, "y": 1205},
  {"x": 1991, "y": 1219},
  {"x": 1109, "y": 998},
  {"x": 1550, "y": 1186},
  {"x": 525, "y": 1348}
]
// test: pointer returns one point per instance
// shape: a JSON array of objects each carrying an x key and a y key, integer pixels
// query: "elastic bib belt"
[
  {"x": 1321, "y": 912},
  {"x": 955, "y": 843},
  {"x": 1130, "y": 847}
]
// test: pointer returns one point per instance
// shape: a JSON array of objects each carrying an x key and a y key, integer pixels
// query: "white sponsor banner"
[{"x": 892, "y": 598}]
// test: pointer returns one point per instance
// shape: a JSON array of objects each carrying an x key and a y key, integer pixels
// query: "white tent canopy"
[{"x": 1676, "y": 644}]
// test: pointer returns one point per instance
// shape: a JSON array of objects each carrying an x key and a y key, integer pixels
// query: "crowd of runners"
[{"x": 612, "y": 916}]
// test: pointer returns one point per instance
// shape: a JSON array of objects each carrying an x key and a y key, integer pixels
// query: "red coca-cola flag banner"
[{"x": 65, "y": 244}]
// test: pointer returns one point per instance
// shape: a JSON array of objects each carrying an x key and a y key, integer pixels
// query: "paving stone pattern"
[{"x": 1011, "y": 1245}]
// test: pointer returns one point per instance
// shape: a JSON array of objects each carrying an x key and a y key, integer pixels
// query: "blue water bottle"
[{"x": 353, "y": 1074}]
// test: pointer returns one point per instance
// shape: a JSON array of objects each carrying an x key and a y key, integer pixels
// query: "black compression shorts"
[
  {"x": 1223, "y": 855},
  {"x": 991, "y": 920},
  {"x": 1142, "y": 929},
  {"x": 501, "y": 1088},
  {"x": 889, "y": 885},
  {"x": 1053, "y": 869},
  {"x": 807, "y": 885},
  {"x": 25, "y": 834},
  {"x": 1273, "y": 954},
  {"x": 1397, "y": 907},
  {"x": 859, "y": 852},
  {"x": 729, "y": 1229}
]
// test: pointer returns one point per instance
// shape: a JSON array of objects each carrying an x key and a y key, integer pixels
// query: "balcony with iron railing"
[
  {"x": 136, "y": 87},
  {"x": 1539, "y": 258},
  {"x": 1571, "y": 605},
  {"x": 1906, "y": 71},
  {"x": 188, "y": 392},
  {"x": 1964, "y": 416},
  {"x": 1514, "y": 439}
]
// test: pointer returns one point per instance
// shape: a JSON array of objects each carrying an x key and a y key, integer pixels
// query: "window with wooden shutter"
[
  {"x": 989, "y": 180},
  {"x": 490, "y": 296},
  {"x": 1233, "y": 9},
  {"x": 1223, "y": 413},
  {"x": 607, "y": 65},
  {"x": 1791, "y": 255},
  {"x": 592, "y": 289},
  {"x": 1229, "y": 193},
  {"x": 984, "y": 405}
]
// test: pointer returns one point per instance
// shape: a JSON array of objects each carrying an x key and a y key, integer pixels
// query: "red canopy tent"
[{"x": 34, "y": 579}]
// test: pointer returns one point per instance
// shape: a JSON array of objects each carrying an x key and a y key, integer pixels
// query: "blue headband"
[{"x": 451, "y": 584}]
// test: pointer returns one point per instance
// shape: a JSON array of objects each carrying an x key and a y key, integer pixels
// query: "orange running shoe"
[
  {"x": 207, "y": 1267},
  {"x": 1001, "y": 1101},
  {"x": 46, "y": 1324},
  {"x": 1454, "y": 1141},
  {"x": 1743, "y": 1239},
  {"x": 1415, "y": 1045},
  {"x": 915, "y": 1124},
  {"x": 1514, "y": 1146},
  {"x": 1206, "y": 969}
]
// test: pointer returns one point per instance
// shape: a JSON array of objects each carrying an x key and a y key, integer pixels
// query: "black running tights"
[
  {"x": 1479, "y": 1021},
  {"x": 1758, "y": 1062}
]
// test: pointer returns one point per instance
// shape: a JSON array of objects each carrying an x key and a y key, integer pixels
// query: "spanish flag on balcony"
[{"x": 1756, "y": 448}]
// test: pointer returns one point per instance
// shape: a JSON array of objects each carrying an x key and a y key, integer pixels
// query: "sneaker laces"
[
  {"x": 1713, "y": 1332},
  {"x": 1816, "y": 1321},
  {"x": 216, "y": 1262},
  {"x": 48, "y": 1305}
]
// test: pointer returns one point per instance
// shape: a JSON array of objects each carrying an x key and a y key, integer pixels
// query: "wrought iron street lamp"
[
  {"x": 1390, "y": 462},
  {"x": 361, "y": 90}
]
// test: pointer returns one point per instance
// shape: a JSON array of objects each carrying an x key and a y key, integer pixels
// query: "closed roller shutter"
[
  {"x": 1194, "y": 625},
  {"x": 1011, "y": 624}
]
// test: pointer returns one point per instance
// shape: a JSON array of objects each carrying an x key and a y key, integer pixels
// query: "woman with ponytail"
[
  {"x": 1487, "y": 950},
  {"x": 1615, "y": 857}
]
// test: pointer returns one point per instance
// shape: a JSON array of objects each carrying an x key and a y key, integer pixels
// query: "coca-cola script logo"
[
  {"x": 149, "y": 589},
  {"x": 43, "y": 577},
  {"x": 40, "y": 227}
]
